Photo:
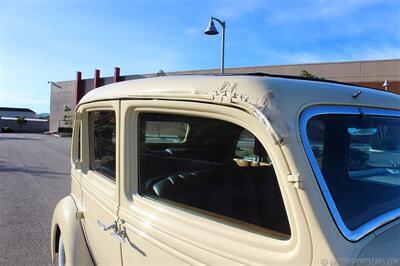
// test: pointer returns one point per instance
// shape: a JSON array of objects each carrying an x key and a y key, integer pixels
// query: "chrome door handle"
[
  {"x": 107, "y": 227},
  {"x": 120, "y": 235}
]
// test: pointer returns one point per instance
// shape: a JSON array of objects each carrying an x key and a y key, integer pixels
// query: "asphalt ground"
[{"x": 34, "y": 176}]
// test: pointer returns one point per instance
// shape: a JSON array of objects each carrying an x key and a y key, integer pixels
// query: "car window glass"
[
  {"x": 166, "y": 132},
  {"x": 245, "y": 145},
  {"x": 102, "y": 146},
  {"x": 202, "y": 175},
  {"x": 359, "y": 159},
  {"x": 317, "y": 139},
  {"x": 249, "y": 151}
]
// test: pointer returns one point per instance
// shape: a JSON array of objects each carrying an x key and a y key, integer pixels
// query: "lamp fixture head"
[
  {"x": 385, "y": 83},
  {"x": 211, "y": 29}
]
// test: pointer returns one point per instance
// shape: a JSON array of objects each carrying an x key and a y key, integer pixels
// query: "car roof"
[{"x": 286, "y": 90}]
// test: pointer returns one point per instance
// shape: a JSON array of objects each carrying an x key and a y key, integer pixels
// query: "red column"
[
  {"x": 78, "y": 86},
  {"x": 117, "y": 74},
  {"x": 96, "y": 78}
]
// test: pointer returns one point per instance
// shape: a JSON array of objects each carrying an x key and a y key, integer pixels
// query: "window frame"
[
  {"x": 77, "y": 142},
  {"x": 306, "y": 115},
  {"x": 111, "y": 105}
]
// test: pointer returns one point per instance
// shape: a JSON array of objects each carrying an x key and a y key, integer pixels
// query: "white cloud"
[{"x": 193, "y": 31}]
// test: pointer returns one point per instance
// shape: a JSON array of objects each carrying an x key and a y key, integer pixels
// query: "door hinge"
[
  {"x": 295, "y": 179},
  {"x": 79, "y": 215}
]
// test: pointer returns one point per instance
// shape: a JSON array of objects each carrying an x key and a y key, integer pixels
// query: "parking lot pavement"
[{"x": 34, "y": 176}]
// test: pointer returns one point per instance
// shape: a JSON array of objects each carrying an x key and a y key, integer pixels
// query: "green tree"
[
  {"x": 67, "y": 116},
  {"x": 21, "y": 121},
  {"x": 66, "y": 108},
  {"x": 160, "y": 73},
  {"x": 308, "y": 75}
]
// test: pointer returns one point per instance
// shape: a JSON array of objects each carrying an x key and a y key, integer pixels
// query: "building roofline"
[{"x": 16, "y": 109}]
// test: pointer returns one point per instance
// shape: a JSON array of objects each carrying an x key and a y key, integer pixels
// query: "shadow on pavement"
[
  {"x": 33, "y": 170},
  {"x": 2, "y": 137}
]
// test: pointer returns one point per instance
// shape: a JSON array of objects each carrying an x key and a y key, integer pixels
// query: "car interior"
[{"x": 211, "y": 168}]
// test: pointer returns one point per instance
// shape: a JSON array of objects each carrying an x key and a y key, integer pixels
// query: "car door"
[
  {"x": 100, "y": 180},
  {"x": 187, "y": 199}
]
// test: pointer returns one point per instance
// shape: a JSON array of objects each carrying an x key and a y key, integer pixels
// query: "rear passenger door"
[
  {"x": 205, "y": 185},
  {"x": 100, "y": 180}
]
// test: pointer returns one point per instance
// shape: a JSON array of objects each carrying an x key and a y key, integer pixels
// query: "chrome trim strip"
[{"x": 360, "y": 232}]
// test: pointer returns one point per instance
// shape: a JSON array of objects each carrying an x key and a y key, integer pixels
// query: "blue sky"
[{"x": 50, "y": 40}]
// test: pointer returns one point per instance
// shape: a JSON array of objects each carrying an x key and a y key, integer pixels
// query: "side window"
[
  {"x": 102, "y": 144},
  {"x": 201, "y": 174}
]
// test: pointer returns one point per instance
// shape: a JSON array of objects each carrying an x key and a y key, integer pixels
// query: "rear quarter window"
[{"x": 102, "y": 145}]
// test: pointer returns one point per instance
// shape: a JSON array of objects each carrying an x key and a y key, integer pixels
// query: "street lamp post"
[{"x": 212, "y": 30}]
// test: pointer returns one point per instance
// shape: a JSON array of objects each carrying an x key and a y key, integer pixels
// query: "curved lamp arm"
[{"x": 222, "y": 23}]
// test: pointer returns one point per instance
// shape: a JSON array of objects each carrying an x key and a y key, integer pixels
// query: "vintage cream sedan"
[{"x": 235, "y": 169}]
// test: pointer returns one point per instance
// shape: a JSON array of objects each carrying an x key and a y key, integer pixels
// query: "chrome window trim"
[{"x": 306, "y": 115}]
